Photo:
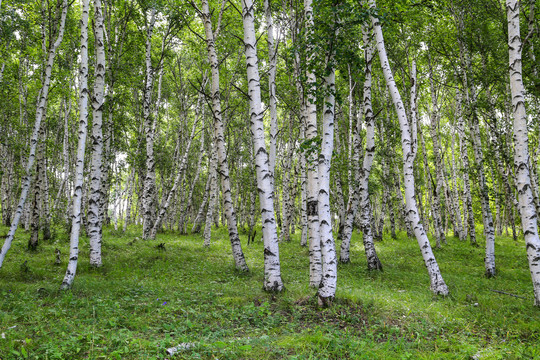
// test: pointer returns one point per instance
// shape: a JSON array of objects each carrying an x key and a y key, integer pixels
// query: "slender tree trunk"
[
  {"x": 187, "y": 207},
  {"x": 79, "y": 168},
  {"x": 180, "y": 174},
  {"x": 129, "y": 198},
  {"x": 95, "y": 200},
  {"x": 286, "y": 188},
  {"x": 315, "y": 261},
  {"x": 462, "y": 232},
  {"x": 40, "y": 113},
  {"x": 327, "y": 289},
  {"x": 438, "y": 194},
  {"x": 409, "y": 146},
  {"x": 213, "y": 192},
  {"x": 487, "y": 216},
  {"x": 34, "y": 212},
  {"x": 527, "y": 207},
  {"x": 272, "y": 267},
  {"x": 302, "y": 156},
  {"x": 223, "y": 166},
  {"x": 463, "y": 149},
  {"x": 366, "y": 211},
  {"x": 272, "y": 103},
  {"x": 149, "y": 188},
  {"x": 207, "y": 190},
  {"x": 45, "y": 211}
]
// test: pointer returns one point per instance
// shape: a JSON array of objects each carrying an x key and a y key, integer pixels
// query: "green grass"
[{"x": 143, "y": 301}]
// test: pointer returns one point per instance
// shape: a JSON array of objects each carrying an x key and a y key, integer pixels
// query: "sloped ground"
[{"x": 145, "y": 300}]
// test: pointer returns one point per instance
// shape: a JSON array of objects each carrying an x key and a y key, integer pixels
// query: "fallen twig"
[{"x": 505, "y": 293}]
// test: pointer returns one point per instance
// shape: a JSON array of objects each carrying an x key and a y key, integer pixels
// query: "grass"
[{"x": 145, "y": 300}]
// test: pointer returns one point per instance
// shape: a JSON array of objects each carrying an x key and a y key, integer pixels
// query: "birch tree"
[
  {"x": 95, "y": 200},
  {"x": 219, "y": 139},
  {"x": 527, "y": 208},
  {"x": 272, "y": 268},
  {"x": 149, "y": 192},
  {"x": 79, "y": 167},
  {"x": 40, "y": 113},
  {"x": 409, "y": 147},
  {"x": 312, "y": 180}
]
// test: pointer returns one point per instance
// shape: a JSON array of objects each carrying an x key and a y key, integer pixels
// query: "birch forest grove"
[{"x": 290, "y": 154}]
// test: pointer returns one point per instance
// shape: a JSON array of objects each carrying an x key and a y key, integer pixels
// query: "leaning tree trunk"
[
  {"x": 219, "y": 137},
  {"x": 272, "y": 268},
  {"x": 521, "y": 152},
  {"x": 409, "y": 146},
  {"x": 40, "y": 113},
  {"x": 79, "y": 168},
  {"x": 95, "y": 200}
]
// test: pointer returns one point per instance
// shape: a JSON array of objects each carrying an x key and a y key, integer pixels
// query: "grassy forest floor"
[{"x": 145, "y": 300}]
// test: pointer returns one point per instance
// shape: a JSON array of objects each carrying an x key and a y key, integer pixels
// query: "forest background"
[{"x": 233, "y": 134}]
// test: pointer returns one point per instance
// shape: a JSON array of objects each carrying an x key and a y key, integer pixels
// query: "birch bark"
[
  {"x": 327, "y": 288},
  {"x": 149, "y": 185},
  {"x": 463, "y": 149},
  {"x": 272, "y": 103},
  {"x": 79, "y": 167},
  {"x": 95, "y": 200},
  {"x": 272, "y": 267},
  {"x": 440, "y": 234},
  {"x": 213, "y": 195},
  {"x": 409, "y": 146},
  {"x": 366, "y": 211},
  {"x": 40, "y": 113},
  {"x": 521, "y": 150},
  {"x": 312, "y": 181},
  {"x": 220, "y": 141}
]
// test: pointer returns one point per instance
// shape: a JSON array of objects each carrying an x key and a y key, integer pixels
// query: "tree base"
[{"x": 325, "y": 302}]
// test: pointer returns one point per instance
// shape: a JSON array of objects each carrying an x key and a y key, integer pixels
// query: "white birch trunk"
[
  {"x": 187, "y": 207},
  {"x": 312, "y": 183},
  {"x": 439, "y": 232},
  {"x": 79, "y": 167},
  {"x": 463, "y": 149},
  {"x": 200, "y": 213},
  {"x": 95, "y": 200},
  {"x": 272, "y": 268},
  {"x": 219, "y": 137},
  {"x": 40, "y": 113},
  {"x": 409, "y": 146},
  {"x": 149, "y": 185},
  {"x": 521, "y": 148},
  {"x": 366, "y": 211},
  {"x": 213, "y": 195},
  {"x": 129, "y": 199},
  {"x": 327, "y": 289},
  {"x": 302, "y": 155},
  {"x": 179, "y": 175},
  {"x": 272, "y": 103}
]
